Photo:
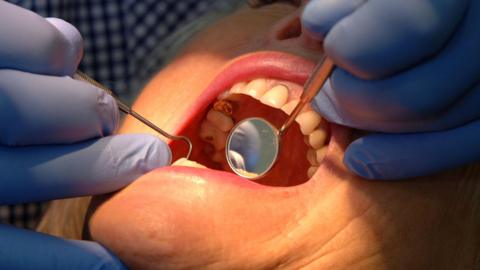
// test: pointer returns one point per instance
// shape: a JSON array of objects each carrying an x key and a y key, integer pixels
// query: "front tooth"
[
  {"x": 238, "y": 87},
  {"x": 290, "y": 106},
  {"x": 311, "y": 171},
  {"x": 321, "y": 154},
  {"x": 220, "y": 120},
  {"x": 276, "y": 97},
  {"x": 308, "y": 121},
  {"x": 256, "y": 88},
  {"x": 187, "y": 163},
  {"x": 209, "y": 133},
  {"x": 317, "y": 139}
]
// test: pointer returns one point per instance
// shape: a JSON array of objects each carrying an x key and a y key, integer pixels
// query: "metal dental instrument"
[
  {"x": 79, "y": 75},
  {"x": 253, "y": 145}
]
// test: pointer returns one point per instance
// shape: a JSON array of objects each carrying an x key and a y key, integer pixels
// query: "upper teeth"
[
  {"x": 290, "y": 106},
  {"x": 317, "y": 138},
  {"x": 308, "y": 121},
  {"x": 255, "y": 88},
  {"x": 275, "y": 97},
  {"x": 217, "y": 124}
]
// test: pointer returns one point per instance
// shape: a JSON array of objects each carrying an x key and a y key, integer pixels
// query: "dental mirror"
[
  {"x": 254, "y": 144},
  {"x": 251, "y": 147}
]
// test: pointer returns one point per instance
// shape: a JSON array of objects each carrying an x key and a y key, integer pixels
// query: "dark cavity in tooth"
[{"x": 223, "y": 106}]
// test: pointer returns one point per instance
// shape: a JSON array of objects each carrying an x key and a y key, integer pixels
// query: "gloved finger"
[
  {"x": 461, "y": 112},
  {"x": 422, "y": 92},
  {"x": 33, "y": 44},
  {"x": 40, "y": 109},
  {"x": 72, "y": 36},
  {"x": 399, "y": 156},
  {"x": 382, "y": 38},
  {"x": 23, "y": 249},
  {"x": 319, "y": 16},
  {"x": 90, "y": 168}
]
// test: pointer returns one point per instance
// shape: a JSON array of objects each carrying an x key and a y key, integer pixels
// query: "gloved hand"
[
  {"x": 404, "y": 66},
  {"x": 53, "y": 140}
]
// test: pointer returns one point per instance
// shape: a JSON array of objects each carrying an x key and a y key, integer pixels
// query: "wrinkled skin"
[{"x": 191, "y": 220}]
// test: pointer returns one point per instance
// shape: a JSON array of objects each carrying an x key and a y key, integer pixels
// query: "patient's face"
[{"x": 310, "y": 211}]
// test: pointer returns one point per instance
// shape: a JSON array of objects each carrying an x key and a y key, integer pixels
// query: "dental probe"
[
  {"x": 313, "y": 85},
  {"x": 79, "y": 75},
  {"x": 253, "y": 145}
]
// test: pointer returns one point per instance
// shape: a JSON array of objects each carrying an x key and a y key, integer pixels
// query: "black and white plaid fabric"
[
  {"x": 125, "y": 43},
  {"x": 119, "y": 34}
]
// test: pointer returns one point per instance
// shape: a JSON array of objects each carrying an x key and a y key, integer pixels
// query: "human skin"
[{"x": 190, "y": 218}]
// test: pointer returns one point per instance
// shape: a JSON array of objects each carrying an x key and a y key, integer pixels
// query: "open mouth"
[{"x": 267, "y": 85}]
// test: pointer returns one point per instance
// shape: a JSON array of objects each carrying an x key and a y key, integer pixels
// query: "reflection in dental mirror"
[{"x": 252, "y": 148}]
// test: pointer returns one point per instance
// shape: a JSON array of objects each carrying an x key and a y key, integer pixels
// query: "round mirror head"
[{"x": 252, "y": 147}]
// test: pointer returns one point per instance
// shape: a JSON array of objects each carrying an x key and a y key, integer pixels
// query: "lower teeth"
[{"x": 188, "y": 163}]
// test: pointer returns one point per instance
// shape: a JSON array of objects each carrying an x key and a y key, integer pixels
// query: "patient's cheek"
[
  {"x": 126, "y": 224},
  {"x": 171, "y": 218},
  {"x": 148, "y": 225}
]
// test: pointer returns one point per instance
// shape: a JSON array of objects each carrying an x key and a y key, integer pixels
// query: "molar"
[
  {"x": 321, "y": 154},
  {"x": 317, "y": 138},
  {"x": 209, "y": 133},
  {"x": 312, "y": 157},
  {"x": 220, "y": 120}
]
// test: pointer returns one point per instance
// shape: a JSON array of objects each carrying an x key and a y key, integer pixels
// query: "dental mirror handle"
[
  {"x": 79, "y": 75},
  {"x": 313, "y": 85}
]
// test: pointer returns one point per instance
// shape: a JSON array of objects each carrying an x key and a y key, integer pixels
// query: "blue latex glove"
[
  {"x": 53, "y": 138},
  {"x": 404, "y": 66}
]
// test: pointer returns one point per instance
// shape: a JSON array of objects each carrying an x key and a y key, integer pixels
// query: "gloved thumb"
[
  {"x": 93, "y": 167},
  {"x": 400, "y": 156}
]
